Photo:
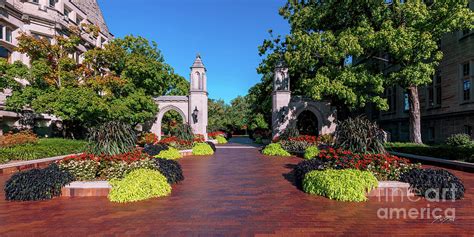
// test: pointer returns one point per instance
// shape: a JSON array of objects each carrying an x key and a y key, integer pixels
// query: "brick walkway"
[{"x": 236, "y": 192}]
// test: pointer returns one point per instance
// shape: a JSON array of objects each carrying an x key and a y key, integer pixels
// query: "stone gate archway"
[
  {"x": 192, "y": 108},
  {"x": 287, "y": 108}
]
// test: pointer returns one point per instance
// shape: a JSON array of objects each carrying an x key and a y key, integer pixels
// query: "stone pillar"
[
  {"x": 281, "y": 98},
  {"x": 198, "y": 98}
]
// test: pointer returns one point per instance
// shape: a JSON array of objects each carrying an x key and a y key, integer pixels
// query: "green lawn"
[
  {"x": 465, "y": 153},
  {"x": 46, "y": 147}
]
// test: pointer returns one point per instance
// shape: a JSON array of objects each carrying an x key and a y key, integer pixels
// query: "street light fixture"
[{"x": 195, "y": 114}]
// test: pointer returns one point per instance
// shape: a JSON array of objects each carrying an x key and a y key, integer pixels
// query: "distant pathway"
[{"x": 236, "y": 192}]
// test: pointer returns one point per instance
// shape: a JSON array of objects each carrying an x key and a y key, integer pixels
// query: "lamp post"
[{"x": 195, "y": 114}]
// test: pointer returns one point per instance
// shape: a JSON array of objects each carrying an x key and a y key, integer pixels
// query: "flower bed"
[
  {"x": 20, "y": 138},
  {"x": 177, "y": 143},
  {"x": 383, "y": 166},
  {"x": 214, "y": 135}
]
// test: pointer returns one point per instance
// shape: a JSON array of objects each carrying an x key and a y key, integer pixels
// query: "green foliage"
[
  {"x": 218, "y": 115},
  {"x": 37, "y": 184},
  {"x": 295, "y": 145},
  {"x": 459, "y": 140},
  {"x": 327, "y": 139},
  {"x": 171, "y": 119},
  {"x": 334, "y": 46},
  {"x": 275, "y": 149},
  {"x": 311, "y": 152},
  {"x": 46, "y": 147},
  {"x": 289, "y": 132},
  {"x": 82, "y": 170},
  {"x": 117, "y": 81},
  {"x": 238, "y": 114},
  {"x": 139, "y": 185},
  {"x": 260, "y": 101},
  {"x": 171, "y": 154},
  {"x": 359, "y": 135},
  {"x": 464, "y": 153},
  {"x": 258, "y": 122},
  {"x": 171, "y": 169},
  {"x": 143, "y": 64},
  {"x": 119, "y": 169},
  {"x": 342, "y": 185},
  {"x": 221, "y": 139},
  {"x": 184, "y": 132},
  {"x": 202, "y": 149},
  {"x": 349, "y": 52},
  {"x": 112, "y": 138}
]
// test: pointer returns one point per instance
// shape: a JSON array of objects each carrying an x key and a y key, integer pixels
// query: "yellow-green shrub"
[
  {"x": 202, "y": 149},
  {"x": 342, "y": 185},
  {"x": 275, "y": 149},
  {"x": 221, "y": 139},
  {"x": 139, "y": 185},
  {"x": 170, "y": 154},
  {"x": 311, "y": 152}
]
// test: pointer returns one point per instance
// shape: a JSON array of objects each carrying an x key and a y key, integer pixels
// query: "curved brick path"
[{"x": 236, "y": 192}]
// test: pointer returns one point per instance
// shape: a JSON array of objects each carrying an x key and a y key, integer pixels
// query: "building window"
[
  {"x": 5, "y": 53},
  {"x": 438, "y": 88},
  {"x": 406, "y": 102},
  {"x": 466, "y": 85},
  {"x": 52, "y": 3},
  {"x": 466, "y": 69},
  {"x": 391, "y": 96},
  {"x": 468, "y": 130},
  {"x": 466, "y": 82},
  {"x": 35, "y": 1},
  {"x": 434, "y": 91},
  {"x": 67, "y": 11},
  {"x": 8, "y": 34},
  {"x": 431, "y": 133},
  {"x": 38, "y": 36},
  {"x": 79, "y": 19}
]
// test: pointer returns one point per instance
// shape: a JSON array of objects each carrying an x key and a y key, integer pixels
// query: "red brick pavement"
[{"x": 236, "y": 192}]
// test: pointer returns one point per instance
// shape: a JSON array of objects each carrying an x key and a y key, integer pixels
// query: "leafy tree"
[
  {"x": 260, "y": 100},
  {"x": 336, "y": 48},
  {"x": 238, "y": 113},
  {"x": 217, "y": 115},
  {"x": 114, "y": 83}
]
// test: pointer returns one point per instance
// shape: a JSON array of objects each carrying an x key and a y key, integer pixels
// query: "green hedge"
[
  {"x": 202, "y": 149},
  {"x": 275, "y": 149},
  {"x": 170, "y": 154},
  {"x": 46, "y": 147},
  {"x": 311, "y": 152},
  {"x": 139, "y": 185},
  {"x": 464, "y": 153},
  {"x": 342, "y": 185},
  {"x": 221, "y": 139}
]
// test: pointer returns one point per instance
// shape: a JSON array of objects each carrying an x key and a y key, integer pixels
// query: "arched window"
[{"x": 196, "y": 81}]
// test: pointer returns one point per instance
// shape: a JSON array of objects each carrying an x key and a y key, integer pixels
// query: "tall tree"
[
  {"x": 116, "y": 82},
  {"x": 336, "y": 48},
  {"x": 218, "y": 116}
]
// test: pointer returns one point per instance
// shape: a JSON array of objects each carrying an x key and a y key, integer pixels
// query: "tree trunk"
[{"x": 415, "y": 118}]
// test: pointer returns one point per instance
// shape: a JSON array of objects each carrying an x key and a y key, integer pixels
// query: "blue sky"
[{"x": 225, "y": 32}]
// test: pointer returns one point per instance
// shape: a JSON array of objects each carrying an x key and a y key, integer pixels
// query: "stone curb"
[{"x": 453, "y": 164}]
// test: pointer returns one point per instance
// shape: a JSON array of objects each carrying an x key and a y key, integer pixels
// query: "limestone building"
[
  {"x": 45, "y": 19},
  {"x": 447, "y": 104}
]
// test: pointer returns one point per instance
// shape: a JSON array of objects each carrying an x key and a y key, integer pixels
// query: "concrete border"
[
  {"x": 29, "y": 164},
  {"x": 391, "y": 189},
  {"x": 446, "y": 163}
]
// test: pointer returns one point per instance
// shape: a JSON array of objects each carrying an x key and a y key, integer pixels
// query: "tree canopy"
[
  {"x": 116, "y": 82},
  {"x": 337, "y": 49}
]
